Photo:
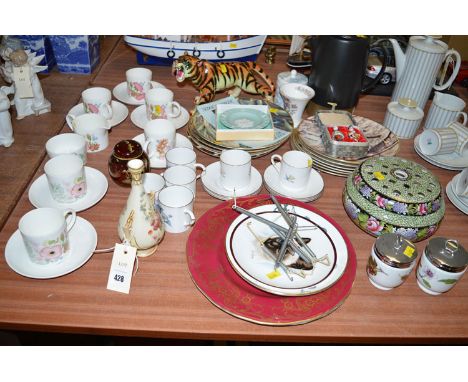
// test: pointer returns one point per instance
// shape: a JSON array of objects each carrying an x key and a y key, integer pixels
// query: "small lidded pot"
[
  {"x": 391, "y": 261},
  {"x": 442, "y": 264},
  {"x": 123, "y": 152}
]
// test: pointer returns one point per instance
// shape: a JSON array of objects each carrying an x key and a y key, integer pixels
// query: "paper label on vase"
[
  {"x": 120, "y": 275},
  {"x": 22, "y": 80}
]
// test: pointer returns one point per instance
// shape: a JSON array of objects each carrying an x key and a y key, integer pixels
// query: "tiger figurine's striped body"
[{"x": 209, "y": 77}]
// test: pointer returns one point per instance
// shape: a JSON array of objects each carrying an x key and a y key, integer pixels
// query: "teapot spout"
[{"x": 400, "y": 58}]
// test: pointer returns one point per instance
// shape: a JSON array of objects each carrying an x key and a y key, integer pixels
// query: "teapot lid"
[
  {"x": 292, "y": 76},
  {"x": 447, "y": 254},
  {"x": 428, "y": 44},
  {"x": 406, "y": 108}
]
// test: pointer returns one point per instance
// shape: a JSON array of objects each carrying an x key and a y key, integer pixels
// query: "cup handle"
[
  {"x": 201, "y": 167},
  {"x": 146, "y": 148},
  {"x": 107, "y": 114},
  {"x": 274, "y": 159},
  {"x": 70, "y": 118},
  {"x": 173, "y": 105},
  {"x": 191, "y": 216},
  {"x": 70, "y": 218},
  {"x": 465, "y": 117}
]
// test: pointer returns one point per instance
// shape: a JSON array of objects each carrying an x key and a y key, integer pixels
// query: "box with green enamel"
[
  {"x": 377, "y": 221},
  {"x": 398, "y": 185}
]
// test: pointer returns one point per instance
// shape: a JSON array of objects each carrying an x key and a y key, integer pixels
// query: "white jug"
[
  {"x": 95, "y": 129},
  {"x": 417, "y": 69}
]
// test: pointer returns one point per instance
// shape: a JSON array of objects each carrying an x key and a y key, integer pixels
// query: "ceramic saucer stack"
[
  {"x": 119, "y": 112},
  {"x": 311, "y": 192},
  {"x": 203, "y": 134},
  {"x": 452, "y": 161},
  {"x": 307, "y": 138},
  {"x": 460, "y": 202},
  {"x": 211, "y": 183}
]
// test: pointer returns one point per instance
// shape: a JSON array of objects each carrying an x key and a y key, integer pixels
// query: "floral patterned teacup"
[
  {"x": 68, "y": 143},
  {"x": 138, "y": 82},
  {"x": 97, "y": 101},
  {"x": 94, "y": 128},
  {"x": 295, "y": 169},
  {"x": 160, "y": 104},
  {"x": 66, "y": 178},
  {"x": 160, "y": 137},
  {"x": 45, "y": 234}
]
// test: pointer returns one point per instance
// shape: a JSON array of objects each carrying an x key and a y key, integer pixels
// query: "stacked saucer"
[
  {"x": 451, "y": 161},
  {"x": 140, "y": 119},
  {"x": 203, "y": 134},
  {"x": 211, "y": 183},
  {"x": 457, "y": 191},
  {"x": 119, "y": 113},
  {"x": 308, "y": 138},
  {"x": 120, "y": 92}
]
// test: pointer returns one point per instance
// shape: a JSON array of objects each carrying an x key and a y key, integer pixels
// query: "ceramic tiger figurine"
[{"x": 209, "y": 77}]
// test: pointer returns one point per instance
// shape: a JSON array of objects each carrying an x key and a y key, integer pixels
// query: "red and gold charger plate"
[{"x": 213, "y": 275}]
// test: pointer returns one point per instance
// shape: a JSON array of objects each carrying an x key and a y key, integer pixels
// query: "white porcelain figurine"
[
  {"x": 25, "y": 63},
  {"x": 6, "y": 130}
]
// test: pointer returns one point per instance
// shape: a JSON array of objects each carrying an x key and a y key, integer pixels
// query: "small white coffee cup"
[
  {"x": 295, "y": 169},
  {"x": 445, "y": 108},
  {"x": 461, "y": 186},
  {"x": 438, "y": 141},
  {"x": 160, "y": 137},
  {"x": 97, "y": 100},
  {"x": 176, "y": 208},
  {"x": 235, "y": 169},
  {"x": 153, "y": 184},
  {"x": 183, "y": 156},
  {"x": 138, "y": 82},
  {"x": 94, "y": 128},
  {"x": 68, "y": 143},
  {"x": 66, "y": 178},
  {"x": 462, "y": 132},
  {"x": 45, "y": 234},
  {"x": 160, "y": 104},
  {"x": 181, "y": 176}
]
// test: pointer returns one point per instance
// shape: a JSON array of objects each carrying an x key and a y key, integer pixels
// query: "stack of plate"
[
  {"x": 307, "y": 137},
  {"x": 203, "y": 134},
  {"x": 458, "y": 201}
]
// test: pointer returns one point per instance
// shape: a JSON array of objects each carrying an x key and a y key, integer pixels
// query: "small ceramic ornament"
[
  {"x": 20, "y": 70},
  {"x": 6, "y": 129},
  {"x": 210, "y": 77},
  {"x": 139, "y": 223}
]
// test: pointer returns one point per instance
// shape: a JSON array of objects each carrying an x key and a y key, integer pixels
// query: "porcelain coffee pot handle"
[{"x": 455, "y": 69}]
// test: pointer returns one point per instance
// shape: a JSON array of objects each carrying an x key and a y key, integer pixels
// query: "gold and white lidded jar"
[
  {"x": 442, "y": 264},
  {"x": 391, "y": 261},
  {"x": 403, "y": 118}
]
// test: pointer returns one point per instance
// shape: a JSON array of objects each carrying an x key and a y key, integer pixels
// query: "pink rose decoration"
[
  {"x": 357, "y": 179},
  {"x": 422, "y": 209},
  {"x": 380, "y": 201},
  {"x": 93, "y": 108},
  {"x": 373, "y": 225},
  {"x": 78, "y": 190},
  {"x": 52, "y": 252}
]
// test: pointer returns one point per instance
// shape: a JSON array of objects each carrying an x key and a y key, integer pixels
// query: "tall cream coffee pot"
[{"x": 417, "y": 69}]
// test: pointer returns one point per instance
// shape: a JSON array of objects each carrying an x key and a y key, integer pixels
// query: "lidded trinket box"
[{"x": 394, "y": 195}]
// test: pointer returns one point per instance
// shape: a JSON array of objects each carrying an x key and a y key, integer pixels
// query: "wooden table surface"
[{"x": 164, "y": 302}]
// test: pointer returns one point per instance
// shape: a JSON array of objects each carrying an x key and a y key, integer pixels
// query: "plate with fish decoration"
[{"x": 252, "y": 248}]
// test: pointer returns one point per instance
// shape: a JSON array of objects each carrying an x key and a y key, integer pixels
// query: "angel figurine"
[
  {"x": 6, "y": 129},
  {"x": 20, "y": 69}
]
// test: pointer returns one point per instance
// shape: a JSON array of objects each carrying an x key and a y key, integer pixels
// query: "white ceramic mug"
[
  {"x": 153, "y": 184},
  {"x": 295, "y": 97},
  {"x": 94, "y": 128},
  {"x": 462, "y": 132},
  {"x": 183, "y": 156},
  {"x": 176, "y": 208},
  {"x": 181, "y": 176},
  {"x": 66, "y": 178},
  {"x": 295, "y": 169},
  {"x": 45, "y": 234},
  {"x": 97, "y": 101},
  {"x": 461, "y": 186},
  {"x": 438, "y": 141},
  {"x": 160, "y": 137},
  {"x": 235, "y": 169},
  {"x": 445, "y": 108},
  {"x": 138, "y": 82},
  {"x": 160, "y": 104},
  {"x": 68, "y": 143}
]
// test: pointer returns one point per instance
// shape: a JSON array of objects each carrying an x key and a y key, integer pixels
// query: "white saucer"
[
  {"x": 454, "y": 198},
  {"x": 83, "y": 241},
  {"x": 211, "y": 183},
  {"x": 452, "y": 161},
  {"x": 120, "y": 92},
  {"x": 39, "y": 193},
  {"x": 181, "y": 141},
  {"x": 119, "y": 112},
  {"x": 139, "y": 119},
  {"x": 312, "y": 191}
]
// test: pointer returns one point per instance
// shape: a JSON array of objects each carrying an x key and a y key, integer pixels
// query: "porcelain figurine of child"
[
  {"x": 6, "y": 129},
  {"x": 37, "y": 104}
]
